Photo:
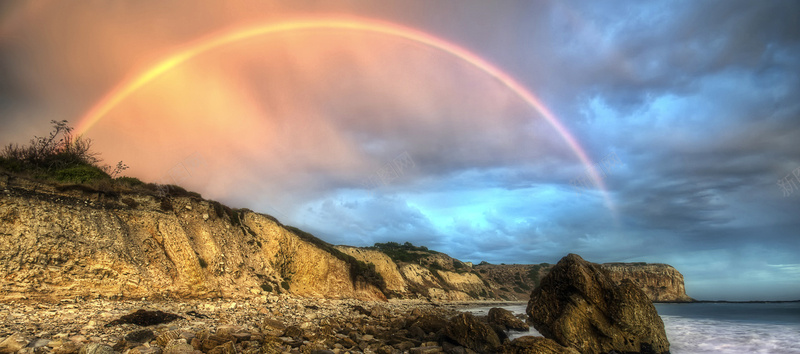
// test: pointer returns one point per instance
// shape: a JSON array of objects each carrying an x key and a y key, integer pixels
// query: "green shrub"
[
  {"x": 285, "y": 285},
  {"x": 533, "y": 274},
  {"x": 129, "y": 181},
  {"x": 178, "y": 191},
  {"x": 522, "y": 285},
  {"x": 266, "y": 287},
  {"x": 79, "y": 174},
  {"x": 202, "y": 261},
  {"x": 10, "y": 165},
  {"x": 406, "y": 252}
]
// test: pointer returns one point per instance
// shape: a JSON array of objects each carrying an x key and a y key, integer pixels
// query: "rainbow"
[{"x": 195, "y": 48}]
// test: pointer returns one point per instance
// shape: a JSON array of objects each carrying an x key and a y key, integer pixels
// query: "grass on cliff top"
[
  {"x": 67, "y": 160},
  {"x": 59, "y": 157},
  {"x": 406, "y": 252}
]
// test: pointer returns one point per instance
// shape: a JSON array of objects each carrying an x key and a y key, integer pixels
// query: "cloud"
[{"x": 698, "y": 101}]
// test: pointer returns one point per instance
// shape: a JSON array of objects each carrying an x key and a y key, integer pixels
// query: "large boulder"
[
  {"x": 506, "y": 320},
  {"x": 578, "y": 305},
  {"x": 12, "y": 343},
  {"x": 467, "y": 331}
]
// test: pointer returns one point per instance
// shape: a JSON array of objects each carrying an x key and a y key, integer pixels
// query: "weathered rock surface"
[
  {"x": 506, "y": 320},
  {"x": 580, "y": 306},
  {"x": 57, "y": 243},
  {"x": 467, "y": 331},
  {"x": 536, "y": 345},
  {"x": 660, "y": 282},
  {"x": 12, "y": 344},
  {"x": 383, "y": 264}
]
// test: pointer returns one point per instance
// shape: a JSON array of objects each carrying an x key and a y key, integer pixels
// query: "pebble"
[{"x": 263, "y": 324}]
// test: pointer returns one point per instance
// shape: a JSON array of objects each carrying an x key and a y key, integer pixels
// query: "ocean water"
[
  {"x": 732, "y": 328},
  {"x": 724, "y": 328}
]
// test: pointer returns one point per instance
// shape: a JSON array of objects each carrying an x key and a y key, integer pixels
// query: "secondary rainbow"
[{"x": 195, "y": 48}]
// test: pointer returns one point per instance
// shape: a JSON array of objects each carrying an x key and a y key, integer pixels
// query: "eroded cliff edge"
[
  {"x": 660, "y": 282},
  {"x": 64, "y": 241},
  {"x": 57, "y": 242}
]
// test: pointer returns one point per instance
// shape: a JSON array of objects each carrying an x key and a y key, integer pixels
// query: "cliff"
[
  {"x": 58, "y": 241},
  {"x": 660, "y": 282},
  {"x": 72, "y": 240}
]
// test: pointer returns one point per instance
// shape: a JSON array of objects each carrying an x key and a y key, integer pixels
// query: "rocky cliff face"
[
  {"x": 514, "y": 282},
  {"x": 660, "y": 282},
  {"x": 56, "y": 243},
  {"x": 74, "y": 241}
]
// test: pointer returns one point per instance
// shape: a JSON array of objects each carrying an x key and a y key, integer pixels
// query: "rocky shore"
[{"x": 266, "y": 324}]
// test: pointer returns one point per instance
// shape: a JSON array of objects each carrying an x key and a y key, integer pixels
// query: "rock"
[
  {"x": 150, "y": 350},
  {"x": 272, "y": 327},
  {"x": 225, "y": 348},
  {"x": 404, "y": 345},
  {"x": 506, "y": 320},
  {"x": 145, "y": 318},
  {"x": 293, "y": 331},
  {"x": 241, "y": 336},
  {"x": 96, "y": 348},
  {"x": 140, "y": 336},
  {"x": 466, "y": 330},
  {"x": 120, "y": 346},
  {"x": 426, "y": 350},
  {"x": 386, "y": 349},
  {"x": 215, "y": 340},
  {"x": 38, "y": 343},
  {"x": 67, "y": 347},
  {"x": 178, "y": 347},
  {"x": 429, "y": 322},
  {"x": 166, "y": 337},
  {"x": 78, "y": 338},
  {"x": 321, "y": 351},
  {"x": 13, "y": 343},
  {"x": 416, "y": 332},
  {"x": 536, "y": 345},
  {"x": 145, "y": 350},
  {"x": 379, "y": 311},
  {"x": 578, "y": 305}
]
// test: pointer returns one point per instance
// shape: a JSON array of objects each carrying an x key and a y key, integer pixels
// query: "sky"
[{"x": 503, "y": 131}]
